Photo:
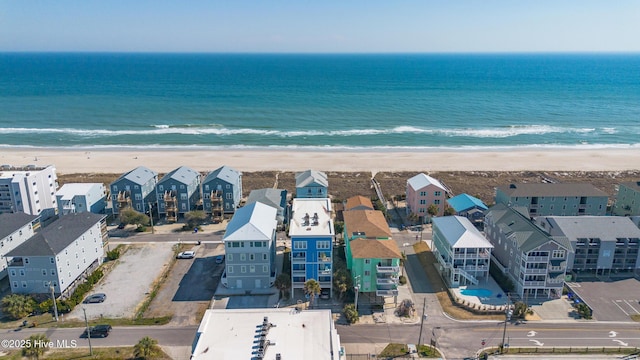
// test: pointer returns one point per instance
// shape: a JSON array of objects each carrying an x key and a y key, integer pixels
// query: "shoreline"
[{"x": 70, "y": 160}]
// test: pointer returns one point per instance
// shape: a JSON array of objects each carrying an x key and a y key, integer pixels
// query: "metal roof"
[
  {"x": 464, "y": 202},
  {"x": 256, "y": 221},
  {"x": 225, "y": 173},
  {"x": 140, "y": 175},
  {"x": 309, "y": 177},
  {"x": 546, "y": 189},
  {"x": 603, "y": 227},
  {"x": 460, "y": 233},
  {"x": 182, "y": 174},
  {"x": 421, "y": 180}
]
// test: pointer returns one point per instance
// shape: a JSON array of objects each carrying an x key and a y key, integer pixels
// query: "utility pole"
[
  {"x": 151, "y": 217},
  {"x": 357, "y": 289},
  {"x": 88, "y": 331},
  {"x": 507, "y": 316},
  {"x": 424, "y": 315},
  {"x": 53, "y": 298}
]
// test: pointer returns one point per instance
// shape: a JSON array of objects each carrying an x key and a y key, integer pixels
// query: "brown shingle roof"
[
  {"x": 374, "y": 249},
  {"x": 359, "y": 201},
  {"x": 370, "y": 222}
]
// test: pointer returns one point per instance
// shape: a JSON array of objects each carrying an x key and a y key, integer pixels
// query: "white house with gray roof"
[
  {"x": 250, "y": 248},
  {"x": 81, "y": 197},
  {"x": 222, "y": 191},
  {"x": 535, "y": 262},
  {"x": 178, "y": 193},
  {"x": 544, "y": 199},
  {"x": 312, "y": 184},
  {"x": 59, "y": 254},
  {"x": 15, "y": 229},
  {"x": 600, "y": 244},
  {"x": 463, "y": 253},
  {"x": 134, "y": 189}
]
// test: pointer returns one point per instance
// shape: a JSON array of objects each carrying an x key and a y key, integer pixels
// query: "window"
[
  {"x": 15, "y": 284},
  {"x": 229, "y": 257},
  {"x": 437, "y": 193},
  {"x": 323, "y": 244},
  {"x": 557, "y": 254},
  {"x": 229, "y": 268},
  {"x": 44, "y": 272},
  {"x": 436, "y": 201},
  {"x": 21, "y": 272},
  {"x": 423, "y": 202},
  {"x": 243, "y": 257},
  {"x": 252, "y": 268},
  {"x": 24, "y": 284},
  {"x": 52, "y": 260},
  {"x": 53, "y": 272},
  {"x": 367, "y": 261},
  {"x": 252, "y": 257},
  {"x": 243, "y": 269},
  {"x": 264, "y": 256},
  {"x": 26, "y": 260},
  {"x": 423, "y": 193},
  {"x": 367, "y": 273},
  {"x": 13, "y": 272},
  {"x": 265, "y": 269},
  {"x": 229, "y": 196},
  {"x": 228, "y": 186},
  {"x": 183, "y": 197},
  {"x": 299, "y": 245}
]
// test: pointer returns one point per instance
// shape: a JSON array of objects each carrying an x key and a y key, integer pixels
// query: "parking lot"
[
  {"x": 128, "y": 283},
  {"x": 610, "y": 299}
]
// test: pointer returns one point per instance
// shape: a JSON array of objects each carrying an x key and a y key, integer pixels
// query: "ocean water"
[{"x": 404, "y": 101}]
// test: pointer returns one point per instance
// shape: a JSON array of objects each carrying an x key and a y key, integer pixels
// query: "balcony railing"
[
  {"x": 299, "y": 258},
  {"x": 387, "y": 292},
  {"x": 481, "y": 255},
  {"x": 16, "y": 262},
  {"x": 536, "y": 258},
  {"x": 534, "y": 271},
  {"x": 388, "y": 269},
  {"x": 387, "y": 281},
  {"x": 534, "y": 283},
  {"x": 324, "y": 271}
]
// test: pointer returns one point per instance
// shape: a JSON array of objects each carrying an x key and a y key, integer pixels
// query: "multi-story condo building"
[
  {"x": 59, "y": 255},
  {"x": 423, "y": 191},
  {"x": 81, "y": 197},
  {"x": 134, "y": 189},
  {"x": 312, "y": 184},
  {"x": 250, "y": 248},
  {"x": 222, "y": 192},
  {"x": 178, "y": 193},
  {"x": 373, "y": 257},
  {"x": 15, "y": 229},
  {"x": 533, "y": 260},
  {"x": 312, "y": 234},
  {"x": 463, "y": 253},
  {"x": 544, "y": 199},
  {"x": 30, "y": 189},
  {"x": 627, "y": 201},
  {"x": 600, "y": 244}
]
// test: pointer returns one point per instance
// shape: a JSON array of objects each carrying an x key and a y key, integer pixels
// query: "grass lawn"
[
  {"x": 83, "y": 353},
  {"x": 427, "y": 260},
  {"x": 396, "y": 350}
]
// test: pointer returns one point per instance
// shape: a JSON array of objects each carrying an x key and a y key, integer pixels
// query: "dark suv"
[{"x": 98, "y": 331}]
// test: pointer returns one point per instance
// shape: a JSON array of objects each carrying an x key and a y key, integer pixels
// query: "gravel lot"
[{"x": 129, "y": 281}]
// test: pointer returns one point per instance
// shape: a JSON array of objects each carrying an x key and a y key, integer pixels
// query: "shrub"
[
  {"x": 350, "y": 313},
  {"x": 17, "y": 306},
  {"x": 45, "y": 306},
  {"x": 402, "y": 280},
  {"x": 113, "y": 254}
]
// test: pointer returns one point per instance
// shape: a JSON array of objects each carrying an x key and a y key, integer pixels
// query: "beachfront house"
[
  {"x": 627, "y": 201},
  {"x": 422, "y": 192},
  {"x": 15, "y": 229},
  {"x": 274, "y": 334},
  {"x": 60, "y": 255},
  {"x": 29, "y": 189},
  {"x": 468, "y": 207},
  {"x": 373, "y": 257},
  {"x": 600, "y": 245},
  {"x": 222, "y": 192},
  {"x": 250, "y": 248},
  {"x": 463, "y": 253},
  {"x": 546, "y": 199},
  {"x": 134, "y": 189},
  {"x": 358, "y": 202},
  {"x": 535, "y": 262},
  {"x": 276, "y": 198},
  {"x": 312, "y": 235},
  {"x": 312, "y": 184},
  {"x": 178, "y": 193},
  {"x": 81, "y": 197}
]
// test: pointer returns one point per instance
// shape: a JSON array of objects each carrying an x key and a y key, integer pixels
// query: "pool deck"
[{"x": 497, "y": 297}]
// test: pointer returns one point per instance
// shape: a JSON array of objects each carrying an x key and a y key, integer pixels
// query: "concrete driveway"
[{"x": 128, "y": 283}]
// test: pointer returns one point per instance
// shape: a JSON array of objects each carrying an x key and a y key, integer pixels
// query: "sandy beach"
[{"x": 114, "y": 161}]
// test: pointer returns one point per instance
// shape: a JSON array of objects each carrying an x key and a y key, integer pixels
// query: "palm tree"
[
  {"x": 283, "y": 283},
  {"x": 17, "y": 306},
  {"x": 311, "y": 288},
  {"x": 146, "y": 347},
  {"x": 35, "y": 346},
  {"x": 341, "y": 282}
]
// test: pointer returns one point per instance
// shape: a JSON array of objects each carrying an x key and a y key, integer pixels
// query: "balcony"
[
  {"x": 298, "y": 272},
  {"x": 387, "y": 281},
  {"x": 17, "y": 261},
  {"x": 386, "y": 292},
  {"x": 387, "y": 269},
  {"x": 534, "y": 271},
  {"x": 480, "y": 255},
  {"x": 534, "y": 283},
  {"x": 298, "y": 258},
  {"x": 325, "y": 271},
  {"x": 536, "y": 258}
]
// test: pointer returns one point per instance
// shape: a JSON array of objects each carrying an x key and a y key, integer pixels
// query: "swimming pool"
[{"x": 476, "y": 292}]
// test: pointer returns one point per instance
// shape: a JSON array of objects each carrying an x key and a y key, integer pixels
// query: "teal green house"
[{"x": 373, "y": 257}]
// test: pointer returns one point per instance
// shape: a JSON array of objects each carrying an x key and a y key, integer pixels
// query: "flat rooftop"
[
  {"x": 311, "y": 217},
  {"x": 294, "y": 334}
]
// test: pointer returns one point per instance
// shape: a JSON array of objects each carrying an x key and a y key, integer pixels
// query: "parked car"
[
  {"x": 219, "y": 259},
  {"x": 98, "y": 331},
  {"x": 95, "y": 298},
  {"x": 121, "y": 226},
  {"x": 186, "y": 255},
  {"x": 324, "y": 294}
]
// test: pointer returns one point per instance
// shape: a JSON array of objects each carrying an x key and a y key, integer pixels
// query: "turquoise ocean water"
[{"x": 491, "y": 101}]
